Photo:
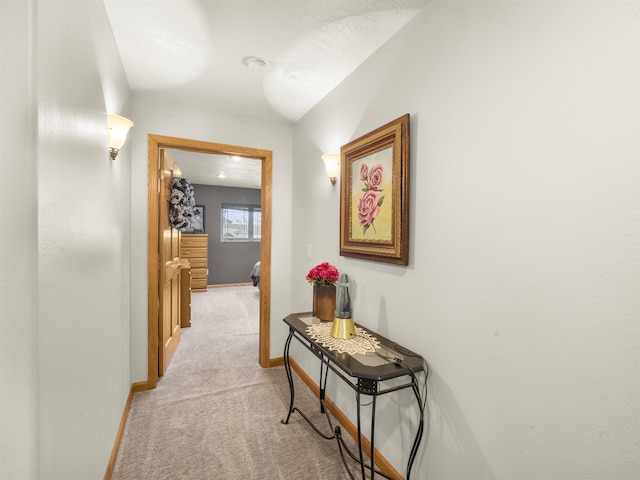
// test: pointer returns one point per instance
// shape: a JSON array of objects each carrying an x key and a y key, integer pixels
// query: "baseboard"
[
  {"x": 140, "y": 386},
  {"x": 135, "y": 388},
  {"x": 382, "y": 463},
  {"x": 276, "y": 362}
]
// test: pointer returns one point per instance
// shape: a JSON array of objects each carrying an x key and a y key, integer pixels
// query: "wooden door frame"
[{"x": 157, "y": 142}]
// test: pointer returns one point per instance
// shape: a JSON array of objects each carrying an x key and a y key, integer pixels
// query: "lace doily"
[{"x": 363, "y": 343}]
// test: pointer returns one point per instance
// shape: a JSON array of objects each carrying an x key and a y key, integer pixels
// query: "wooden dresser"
[{"x": 194, "y": 247}]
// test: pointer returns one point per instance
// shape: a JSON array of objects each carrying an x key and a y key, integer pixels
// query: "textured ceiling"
[{"x": 191, "y": 52}]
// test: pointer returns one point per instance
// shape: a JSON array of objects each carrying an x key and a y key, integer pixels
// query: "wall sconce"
[
  {"x": 332, "y": 164},
  {"x": 118, "y": 128}
]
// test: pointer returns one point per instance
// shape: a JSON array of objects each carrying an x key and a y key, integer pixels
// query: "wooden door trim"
[{"x": 155, "y": 143}]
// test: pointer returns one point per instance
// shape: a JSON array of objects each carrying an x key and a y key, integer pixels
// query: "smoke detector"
[{"x": 256, "y": 64}]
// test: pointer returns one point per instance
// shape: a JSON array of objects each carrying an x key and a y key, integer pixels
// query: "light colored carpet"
[{"x": 216, "y": 414}]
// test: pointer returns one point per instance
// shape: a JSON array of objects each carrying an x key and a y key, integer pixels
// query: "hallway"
[{"x": 216, "y": 413}]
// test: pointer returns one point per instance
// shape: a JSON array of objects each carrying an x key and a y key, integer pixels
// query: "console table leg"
[
  {"x": 373, "y": 429},
  {"x": 324, "y": 373},
  {"x": 419, "y": 432},
  {"x": 360, "y": 435},
  {"x": 287, "y": 368}
]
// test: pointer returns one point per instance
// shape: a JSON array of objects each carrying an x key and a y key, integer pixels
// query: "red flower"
[{"x": 323, "y": 274}]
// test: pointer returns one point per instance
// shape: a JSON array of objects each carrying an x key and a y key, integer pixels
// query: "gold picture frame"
[{"x": 374, "y": 195}]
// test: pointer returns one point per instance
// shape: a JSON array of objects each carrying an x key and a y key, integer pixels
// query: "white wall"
[
  {"x": 18, "y": 246},
  {"x": 65, "y": 293},
  {"x": 154, "y": 116},
  {"x": 522, "y": 287}
]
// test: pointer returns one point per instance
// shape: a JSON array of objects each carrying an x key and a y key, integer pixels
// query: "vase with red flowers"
[{"x": 323, "y": 277}]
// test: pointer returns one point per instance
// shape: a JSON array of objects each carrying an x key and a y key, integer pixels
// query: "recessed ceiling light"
[
  {"x": 221, "y": 175},
  {"x": 256, "y": 64}
]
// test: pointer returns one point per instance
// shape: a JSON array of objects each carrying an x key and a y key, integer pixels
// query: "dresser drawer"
[
  {"x": 189, "y": 240},
  {"x": 198, "y": 262},
  {"x": 198, "y": 273},
  {"x": 199, "y": 285},
  {"x": 191, "y": 252}
]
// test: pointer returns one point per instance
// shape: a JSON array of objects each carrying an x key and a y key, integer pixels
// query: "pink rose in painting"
[
  {"x": 364, "y": 172},
  {"x": 368, "y": 207},
  {"x": 375, "y": 177}
]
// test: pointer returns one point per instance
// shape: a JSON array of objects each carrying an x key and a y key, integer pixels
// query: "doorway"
[{"x": 156, "y": 143}]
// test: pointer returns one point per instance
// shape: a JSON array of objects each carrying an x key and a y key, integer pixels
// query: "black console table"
[{"x": 364, "y": 373}]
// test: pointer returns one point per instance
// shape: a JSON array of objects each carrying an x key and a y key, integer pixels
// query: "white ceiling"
[
  {"x": 206, "y": 169},
  {"x": 194, "y": 52}
]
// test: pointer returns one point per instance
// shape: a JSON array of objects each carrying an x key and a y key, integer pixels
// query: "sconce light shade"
[
  {"x": 118, "y": 128},
  {"x": 332, "y": 165}
]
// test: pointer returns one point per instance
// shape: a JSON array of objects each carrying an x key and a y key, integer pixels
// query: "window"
[{"x": 240, "y": 223}]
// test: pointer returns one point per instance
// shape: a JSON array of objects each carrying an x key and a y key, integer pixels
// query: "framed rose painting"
[{"x": 374, "y": 195}]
